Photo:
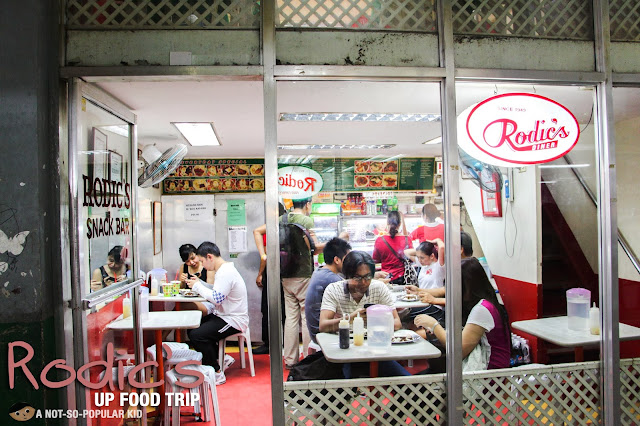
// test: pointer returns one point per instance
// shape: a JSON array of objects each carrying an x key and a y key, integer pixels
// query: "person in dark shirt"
[{"x": 334, "y": 251}]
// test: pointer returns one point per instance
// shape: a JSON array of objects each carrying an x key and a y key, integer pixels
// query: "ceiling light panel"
[
  {"x": 301, "y": 147},
  {"x": 198, "y": 134},
  {"x": 359, "y": 116}
]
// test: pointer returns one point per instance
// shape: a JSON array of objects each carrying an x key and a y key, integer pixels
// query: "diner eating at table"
[
  {"x": 349, "y": 298},
  {"x": 114, "y": 271},
  {"x": 227, "y": 311},
  {"x": 486, "y": 334}
]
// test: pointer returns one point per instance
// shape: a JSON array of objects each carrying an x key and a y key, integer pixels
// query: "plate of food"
[
  {"x": 409, "y": 298},
  {"x": 199, "y": 184},
  {"x": 361, "y": 167},
  {"x": 257, "y": 184},
  {"x": 391, "y": 167},
  {"x": 257, "y": 169},
  {"x": 242, "y": 184},
  {"x": 199, "y": 170},
  {"x": 375, "y": 180},
  {"x": 243, "y": 170},
  {"x": 361, "y": 181},
  {"x": 390, "y": 181},
  {"x": 185, "y": 292},
  {"x": 404, "y": 336},
  {"x": 376, "y": 166}
]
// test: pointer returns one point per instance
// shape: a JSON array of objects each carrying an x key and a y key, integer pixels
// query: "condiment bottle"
[
  {"x": 343, "y": 332},
  {"x": 594, "y": 319},
  {"x": 154, "y": 286},
  {"x": 358, "y": 330},
  {"x": 126, "y": 307}
]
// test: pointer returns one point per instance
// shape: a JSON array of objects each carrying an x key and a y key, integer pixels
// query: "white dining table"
[
  {"x": 176, "y": 299},
  {"x": 329, "y": 343},
  {"x": 556, "y": 330},
  {"x": 401, "y": 304}
]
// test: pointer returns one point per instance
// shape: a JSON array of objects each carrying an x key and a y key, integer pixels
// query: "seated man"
[
  {"x": 334, "y": 252},
  {"x": 227, "y": 307},
  {"x": 350, "y": 296}
]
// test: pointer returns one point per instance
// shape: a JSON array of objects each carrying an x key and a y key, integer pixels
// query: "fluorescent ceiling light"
[
  {"x": 433, "y": 141},
  {"x": 562, "y": 166},
  {"x": 300, "y": 147},
  {"x": 122, "y": 130},
  {"x": 358, "y": 116},
  {"x": 198, "y": 134},
  {"x": 393, "y": 158}
]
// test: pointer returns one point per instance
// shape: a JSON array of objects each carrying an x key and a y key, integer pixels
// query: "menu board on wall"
[
  {"x": 195, "y": 176},
  {"x": 417, "y": 173},
  {"x": 350, "y": 174}
]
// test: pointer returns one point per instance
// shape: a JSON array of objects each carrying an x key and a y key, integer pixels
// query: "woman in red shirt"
[{"x": 388, "y": 250}]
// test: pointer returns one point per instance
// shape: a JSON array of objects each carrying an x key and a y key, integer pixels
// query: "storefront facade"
[{"x": 452, "y": 48}]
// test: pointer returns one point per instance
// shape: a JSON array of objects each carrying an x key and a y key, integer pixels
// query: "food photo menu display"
[
  {"x": 352, "y": 174},
  {"x": 195, "y": 176}
]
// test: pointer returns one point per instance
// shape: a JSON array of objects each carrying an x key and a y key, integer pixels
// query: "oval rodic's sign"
[
  {"x": 518, "y": 128},
  {"x": 296, "y": 182}
]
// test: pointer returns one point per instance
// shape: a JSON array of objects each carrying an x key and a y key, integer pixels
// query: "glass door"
[{"x": 102, "y": 187}]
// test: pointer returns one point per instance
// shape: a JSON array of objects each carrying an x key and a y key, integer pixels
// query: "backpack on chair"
[{"x": 296, "y": 247}]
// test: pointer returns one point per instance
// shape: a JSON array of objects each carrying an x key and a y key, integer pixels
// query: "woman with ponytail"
[{"x": 388, "y": 250}]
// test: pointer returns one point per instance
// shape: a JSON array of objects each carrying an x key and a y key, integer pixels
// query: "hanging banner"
[
  {"x": 517, "y": 128},
  {"x": 297, "y": 182}
]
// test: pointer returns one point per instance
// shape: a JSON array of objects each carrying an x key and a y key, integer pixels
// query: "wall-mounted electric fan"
[{"x": 160, "y": 165}]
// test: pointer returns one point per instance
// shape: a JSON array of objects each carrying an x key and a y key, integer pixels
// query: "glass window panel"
[
  {"x": 376, "y": 174},
  {"x": 535, "y": 229}
]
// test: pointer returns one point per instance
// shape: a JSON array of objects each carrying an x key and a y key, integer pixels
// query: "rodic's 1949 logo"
[{"x": 517, "y": 128}]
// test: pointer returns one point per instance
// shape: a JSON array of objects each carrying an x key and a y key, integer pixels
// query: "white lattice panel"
[
  {"x": 397, "y": 15},
  {"x": 566, "y": 19},
  {"x": 417, "y": 400},
  {"x": 543, "y": 395},
  {"x": 176, "y": 14},
  {"x": 630, "y": 391},
  {"x": 551, "y": 395},
  {"x": 624, "y": 18}
]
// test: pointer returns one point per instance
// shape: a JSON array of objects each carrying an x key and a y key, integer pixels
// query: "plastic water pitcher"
[
  {"x": 578, "y": 301},
  {"x": 379, "y": 325},
  {"x": 159, "y": 274}
]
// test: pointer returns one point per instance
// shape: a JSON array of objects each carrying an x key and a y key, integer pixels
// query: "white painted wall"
[
  {"x": 628, "y": 159},
  {"x": 576, "y": 207},
  {"x": 146, "y": 196},
  {"x": 511, "y": 243}
]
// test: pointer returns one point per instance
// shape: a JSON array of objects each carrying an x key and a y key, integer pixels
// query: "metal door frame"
[{"x": 72, "y": 315}]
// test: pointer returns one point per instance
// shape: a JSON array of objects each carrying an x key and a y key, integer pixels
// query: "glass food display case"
[
  {"x": 325, "y": 219},
  {"x": 364, "y": 229}
]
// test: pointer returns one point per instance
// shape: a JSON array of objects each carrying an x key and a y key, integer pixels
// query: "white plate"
[
  {"x": 404, "y": 336},
  {"x": 407, "y": 299}
]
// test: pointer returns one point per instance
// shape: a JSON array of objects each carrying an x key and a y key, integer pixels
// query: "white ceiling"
[{"x": 236, "y": 109}]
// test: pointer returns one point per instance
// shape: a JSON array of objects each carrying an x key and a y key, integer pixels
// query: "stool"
[
  {"x": 207, "y": 387},
  {"x": 242, "y": 337},
  {"x": 179, "y": 352}
]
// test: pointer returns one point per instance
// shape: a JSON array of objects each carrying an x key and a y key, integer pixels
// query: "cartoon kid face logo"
[{"x": 21, "y": 411}]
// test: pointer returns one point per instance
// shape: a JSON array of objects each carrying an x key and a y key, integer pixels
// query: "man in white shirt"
[{"x": 226, "y": 305}]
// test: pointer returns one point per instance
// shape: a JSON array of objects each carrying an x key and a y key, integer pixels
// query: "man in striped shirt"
[{"x": 349, "y": 297}]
